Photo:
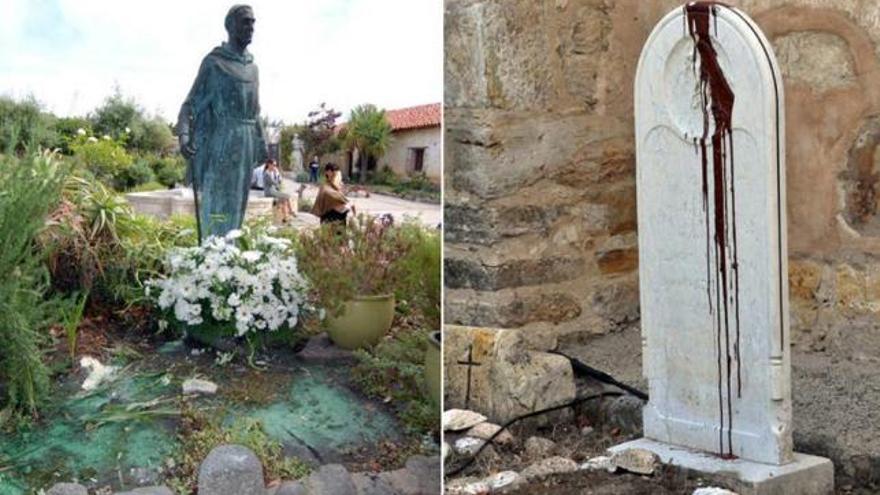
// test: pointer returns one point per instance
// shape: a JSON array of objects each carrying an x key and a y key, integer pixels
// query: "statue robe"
[{"x": 222, "y": 116}]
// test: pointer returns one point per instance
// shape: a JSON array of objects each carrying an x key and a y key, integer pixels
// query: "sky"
[{"x": 71, "y": 54}]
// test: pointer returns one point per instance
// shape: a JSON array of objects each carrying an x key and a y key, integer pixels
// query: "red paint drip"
[{"x": 717, "y": 99}]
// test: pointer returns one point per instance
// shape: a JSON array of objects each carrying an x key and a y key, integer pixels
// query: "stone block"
[
  {"x": 231, "y": 469},
  {"x": 804, "y": 475}
]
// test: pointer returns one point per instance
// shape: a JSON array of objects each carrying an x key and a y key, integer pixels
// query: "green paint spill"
[
  {"x": 324, "y": 415},
  {"x": 316, "y": 408}
]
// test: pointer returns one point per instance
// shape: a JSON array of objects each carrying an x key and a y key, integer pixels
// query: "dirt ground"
[{"x": 835, "y": 392}]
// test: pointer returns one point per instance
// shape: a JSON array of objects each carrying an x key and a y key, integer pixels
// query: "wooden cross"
[{"x": 470, "y": 363}]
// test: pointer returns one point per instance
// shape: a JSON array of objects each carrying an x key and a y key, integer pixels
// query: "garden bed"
[{"x": 135, "y": 429}]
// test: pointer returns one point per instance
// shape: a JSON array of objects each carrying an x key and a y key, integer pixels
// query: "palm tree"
[{"x": 370, "y": 133}]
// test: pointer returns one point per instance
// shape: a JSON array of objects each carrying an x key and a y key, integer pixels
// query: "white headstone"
[
  {"x": 712, "y": 252},
  {"x": 712, "y": 249}
]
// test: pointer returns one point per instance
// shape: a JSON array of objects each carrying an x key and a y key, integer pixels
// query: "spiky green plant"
[{"x": 29, "y": 187}]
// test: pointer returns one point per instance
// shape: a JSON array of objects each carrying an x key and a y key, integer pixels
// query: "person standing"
[
  {"x": 272, "y": 184},
  {"x": 219, "y": 128},
  {"x": 313, "y": 169}
]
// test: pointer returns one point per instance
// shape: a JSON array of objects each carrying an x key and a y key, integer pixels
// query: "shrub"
[
  {"x": 140, "y": 172},
  {"x": 30, "y": 186},
  {"x": 169, "y": 170},
  {"x": 420, "y": 283},
  {"x": 105, "y": 159},
  {"x": 148, "y": 186},
  {"x": 385, "y": 177},
  {"x": 360, "y": 259},
  {"x": 24, "y": 125},
  {"x": 237, "y": 285}
]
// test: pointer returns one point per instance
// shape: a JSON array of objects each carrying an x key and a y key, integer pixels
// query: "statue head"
[{"x": 240, "y": 25}]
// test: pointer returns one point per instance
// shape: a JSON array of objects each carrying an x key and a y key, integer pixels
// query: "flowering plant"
[
  {"x": 361, "y": 259},
  {"x": 238, "y": 285}
]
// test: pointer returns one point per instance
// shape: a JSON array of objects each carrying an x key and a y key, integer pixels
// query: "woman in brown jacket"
[{"x": 331, "y": 205}]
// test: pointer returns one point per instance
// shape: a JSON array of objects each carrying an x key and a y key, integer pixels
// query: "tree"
[
  {"x": 368, "y": 131},
  {"x": 122, "y": 118}
]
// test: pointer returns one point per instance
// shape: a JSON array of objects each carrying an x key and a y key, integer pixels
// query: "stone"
[
  {"x": 804, "y": 475},
  {"x": 371, "y": 484},
  {"x": 460, "y": 419},
  {"x": 546, "y": 467},
  {"x": 818, "y": 59},
  {"x": 713, "y": 258},
  {"x": 231, "y": 469},
  {"x": 149, "y": 490},
  {"x": 485, "y": 431},
  {"x": 445, "y": 450},
  {"x": 420, "y": 476},
  {"x": 97, "y": 372},
  {"x": 509, "y": 380},
  {"x": 468, "y": 445},
  {"x": 467, "y": 487},
  {"x": 639, "y": 461},
  {"x": 504, "y": 479},
  {"x": 67, "y": 489},
  {"x": 197, "y": 386},
  {"x": 291, "y": 488},
  {"x": 331, "y": 478},
  {"x": 690, "y": 290},
  {"x": 539, "y": 447},
  {"x": 713, "y": 490},
  {"x": 599, "y": 463}
]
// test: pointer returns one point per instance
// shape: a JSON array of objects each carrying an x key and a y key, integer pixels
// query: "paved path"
[{"x": 379, "y": 204}]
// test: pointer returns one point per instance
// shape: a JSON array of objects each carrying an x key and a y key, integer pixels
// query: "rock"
[
  {"x": 445, "y": 450},
  {"x": 421, "y": 476},
  {"x": 602, "y": 462},
  {"x": 587, "y": 431},
  {"x": 468, "y": 445},
  {"x": 291, "y": 488},
  {"x": 371, "y": 484},
  {"x": 504, "y": 479},
  {"x": 97, "y": 372},
  {"x": 331, "y": 478},
  {"x": 149, "y": 490},
  {"x": 486, "y": 430},
  {"x": 538, "y": 447},
  {"x": 231, "y": 469},
  {"x": 196, "y": 386},
  {"x": 461, "y": 419},
  {"x": 639, "y": 461},
  {"x": 142, "y": 476},
  {"x": 465, "y": 486},
  {"x": 67, "y": 489},
  {"x": 711, "y": 490},
  {"x": 546, "y": 467}
]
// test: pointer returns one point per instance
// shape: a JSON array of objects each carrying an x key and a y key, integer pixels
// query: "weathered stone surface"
[
  {"x": 331, "y": 478},
  {"x": 539, "y": 447},
  {"x": 546, "y": 467},
  {"x": 67, "y": 489},
  {"x": 616, "y": 261},
  {"x": 634, "y": 460},
  {"x": 197, "y": 386},
  {"x": 292, "y": 488},
  {"x": 421, "y": 476},
  {"x": 599, "y": 463},
  {"x": 713, "y": 490},
  {"x": 502, "y": 480},
  {"x": 467, "y": 486},
  {"x": 509, "y": 380},
  {"x": 513, "y": 310},
  {"x": 152, "y": 490},
  {"x": 231, "y": 469},
  {"x": 460, "y": 419},
  {"x": 468, "y": 445},
  {"x": 486, "y": 430},
  {"x": 371, "y": 484},
  {"x": 468, "y": 273},
  {"x": 821, "y": 60}
]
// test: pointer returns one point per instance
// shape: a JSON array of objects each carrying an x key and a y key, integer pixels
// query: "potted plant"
[{"x": 354, "y": 270}]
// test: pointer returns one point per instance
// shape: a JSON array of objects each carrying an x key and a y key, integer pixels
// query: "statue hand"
[{"x": 186, "y": 147}]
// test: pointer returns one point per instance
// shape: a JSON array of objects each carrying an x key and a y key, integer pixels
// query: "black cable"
[
  {"x": 582, "y": 369},
  {"x": 576, "y": 401}
]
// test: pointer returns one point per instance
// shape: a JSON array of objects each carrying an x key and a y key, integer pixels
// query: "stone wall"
[{"x": 539, "y": 171}]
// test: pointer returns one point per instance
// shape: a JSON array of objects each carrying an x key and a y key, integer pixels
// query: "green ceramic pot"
[
  {"x": 363, "y": 322},
  {"x": 432, "y": 368}
]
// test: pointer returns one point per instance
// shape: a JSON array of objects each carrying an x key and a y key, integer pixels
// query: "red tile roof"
[{"x": 414, "y": 117}]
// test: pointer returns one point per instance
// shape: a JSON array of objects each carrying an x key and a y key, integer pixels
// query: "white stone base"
[{"x": 806, "y": 475}]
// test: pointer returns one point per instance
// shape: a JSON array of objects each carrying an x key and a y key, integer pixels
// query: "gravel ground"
[{"x": 836, "y": 395}]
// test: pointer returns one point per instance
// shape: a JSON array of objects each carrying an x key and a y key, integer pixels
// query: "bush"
[
  {"x": 385, "y": 177},
  {"x": 420, "y": 283},
  {"x": 30, "y": 187},
  {"x": 395, "y": 369},
  {"x": 105, "y": 159},
  {"x": 24, "y": 125},
  {"x": 140, "y": 172},
  {"x": 149, "y": 186},
  {"x": 169, "y": 170}
]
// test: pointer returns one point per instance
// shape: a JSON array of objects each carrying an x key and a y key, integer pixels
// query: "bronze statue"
[{"x": 220, "y": 131}]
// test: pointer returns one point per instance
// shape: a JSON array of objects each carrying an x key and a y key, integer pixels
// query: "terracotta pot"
[
  {"x": 363, "y": 322},
  {"x": 432, "y": 368}
]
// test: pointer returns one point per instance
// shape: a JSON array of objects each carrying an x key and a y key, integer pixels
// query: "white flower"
[
  {"x": 105, "y": 137},
  {"x": 233, "y": 300},
  {"x": 252, "y": 256},
  {"x": 127, "y": 130},
  {"x": 81, "y": 131},
  {"x": 234, "y": 234},
  {"x": 92, "y": 139}
]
